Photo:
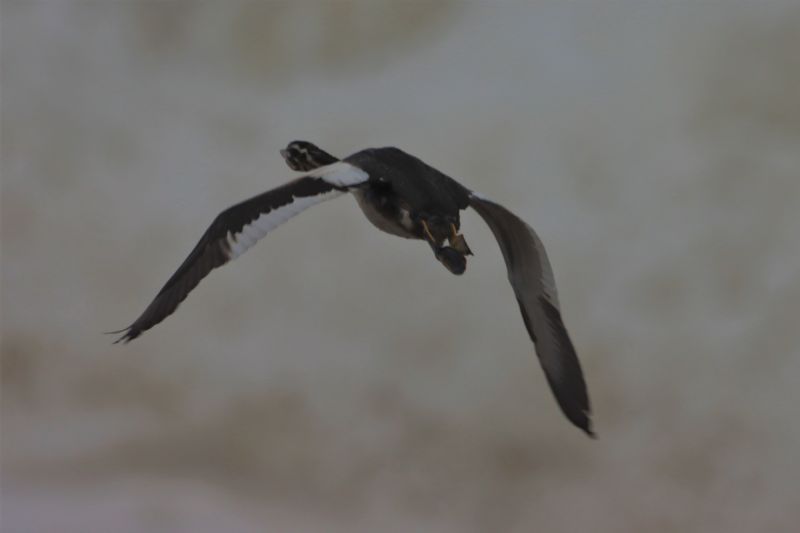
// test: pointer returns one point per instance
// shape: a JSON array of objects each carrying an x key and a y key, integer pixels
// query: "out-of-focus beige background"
[{"x": 339, "y": 379}]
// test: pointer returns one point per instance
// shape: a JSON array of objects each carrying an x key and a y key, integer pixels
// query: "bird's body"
[{"x": 403, "y": 196}]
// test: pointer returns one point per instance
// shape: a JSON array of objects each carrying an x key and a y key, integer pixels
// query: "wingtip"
[
  {"x": 589, "y": 430},
  {"x": 125, "y": 338},
  {"x": 583, "y": 420}
]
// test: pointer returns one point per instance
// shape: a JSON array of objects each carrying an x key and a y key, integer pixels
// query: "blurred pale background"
[{"x": 339, "y": 379}]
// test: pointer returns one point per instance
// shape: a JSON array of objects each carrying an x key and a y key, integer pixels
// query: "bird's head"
[{"x": 304, "y": 156}]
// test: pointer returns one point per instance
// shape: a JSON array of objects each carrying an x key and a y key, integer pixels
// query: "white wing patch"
[
  {"x": 340, "y": 174},
  {"x": 479, "y": 196},
  {"x": 239, "y": 243}
]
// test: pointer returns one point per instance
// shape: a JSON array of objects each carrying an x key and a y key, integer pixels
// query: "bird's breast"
[{"x": 383, "y": 212}]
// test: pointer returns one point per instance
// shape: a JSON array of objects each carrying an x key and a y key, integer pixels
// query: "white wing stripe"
[
  {"x": 251, "y": 233},
  {"x": 340, "y": 174}
]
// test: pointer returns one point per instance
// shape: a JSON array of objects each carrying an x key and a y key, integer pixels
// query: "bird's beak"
[{"x": 284, "y": 153}]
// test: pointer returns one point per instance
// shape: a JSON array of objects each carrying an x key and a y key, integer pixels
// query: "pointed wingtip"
[
  {"x": 589, "y": 430},
  {"x": 582, "y": 422},
  {"x": 125, "y": 338}
]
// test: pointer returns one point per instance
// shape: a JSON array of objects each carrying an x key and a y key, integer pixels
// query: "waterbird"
[{"x": 403, "y": 196}]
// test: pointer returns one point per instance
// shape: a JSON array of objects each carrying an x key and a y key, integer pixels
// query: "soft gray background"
[{"x": 339, "y": 379}]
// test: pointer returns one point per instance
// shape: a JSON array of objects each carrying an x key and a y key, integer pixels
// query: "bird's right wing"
[
  {"x": 532, "y": 279},
  {"x": 238, "y": 228}
]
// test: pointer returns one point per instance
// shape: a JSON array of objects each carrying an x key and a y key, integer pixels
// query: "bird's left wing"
[
  {"x": 238, "y": 228},
  {"x": 532, "y": 279}
]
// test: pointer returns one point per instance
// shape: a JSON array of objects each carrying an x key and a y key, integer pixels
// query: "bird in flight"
[{"x": 403, "y": 196}]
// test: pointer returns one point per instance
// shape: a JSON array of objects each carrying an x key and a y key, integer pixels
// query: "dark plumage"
[{"x": 403, "y": 196}]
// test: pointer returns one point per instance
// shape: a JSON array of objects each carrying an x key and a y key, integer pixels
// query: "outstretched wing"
[
  {"x": 532, "y": 279},
  {"x": 238, "y": 228}
]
